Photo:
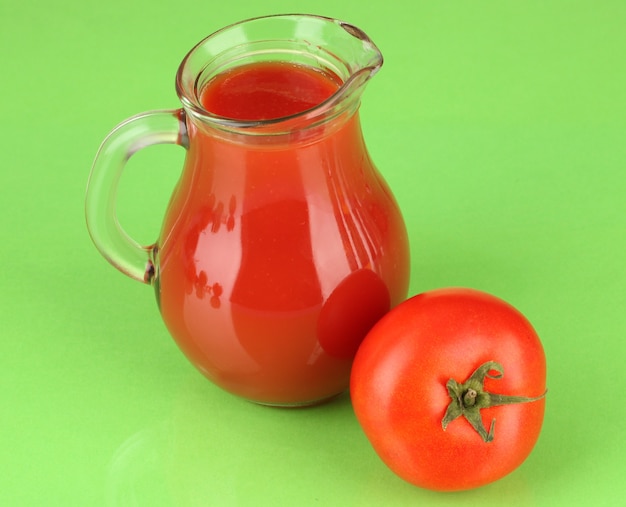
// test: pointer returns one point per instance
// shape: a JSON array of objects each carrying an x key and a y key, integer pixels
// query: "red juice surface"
[
  {"x": 267, "y": 90},
  {"x": 276, "y": 258}
]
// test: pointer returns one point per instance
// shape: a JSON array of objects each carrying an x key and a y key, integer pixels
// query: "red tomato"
[{"x": 432, "y": 377}]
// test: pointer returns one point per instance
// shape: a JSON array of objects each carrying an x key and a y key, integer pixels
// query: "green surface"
[{"x": 501, "y": 127}]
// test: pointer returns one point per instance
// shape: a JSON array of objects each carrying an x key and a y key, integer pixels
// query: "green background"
[{"x": 501, "y": 127}]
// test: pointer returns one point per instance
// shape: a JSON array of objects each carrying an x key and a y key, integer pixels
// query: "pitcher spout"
[
  {"x": 366, "y": 57},
  {"x": 362, "y": 57}
]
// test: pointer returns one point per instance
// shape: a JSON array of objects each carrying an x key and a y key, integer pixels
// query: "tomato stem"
[{"x": 470, "y": 397}]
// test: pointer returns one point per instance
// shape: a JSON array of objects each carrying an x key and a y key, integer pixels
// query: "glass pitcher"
[{"x": 282, "y": 244}]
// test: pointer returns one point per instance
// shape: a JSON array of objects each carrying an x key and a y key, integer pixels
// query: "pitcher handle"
[{"x": 137, "y": 132}]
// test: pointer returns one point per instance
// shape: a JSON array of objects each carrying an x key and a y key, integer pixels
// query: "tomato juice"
[
  {"x": 276, "y": 258},
  {"x": 266, "y": 91}
]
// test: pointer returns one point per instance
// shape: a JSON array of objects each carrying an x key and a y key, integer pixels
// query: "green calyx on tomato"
[{"x": 470, "y": 397}]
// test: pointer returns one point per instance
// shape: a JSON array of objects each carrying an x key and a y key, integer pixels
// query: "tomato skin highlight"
[{"x": 398, "y": 388}]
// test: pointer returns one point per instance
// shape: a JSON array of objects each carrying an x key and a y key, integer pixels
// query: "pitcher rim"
[{"x": 191, "y": 100}]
